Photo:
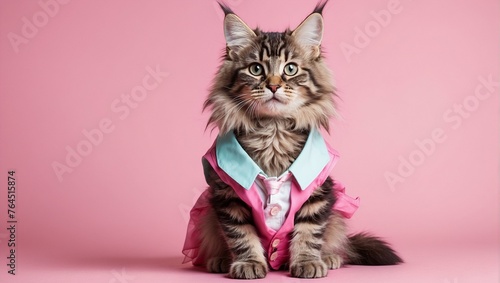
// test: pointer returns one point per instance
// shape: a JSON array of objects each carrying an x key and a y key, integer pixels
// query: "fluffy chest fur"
[
  {"x": 273, "y": 145},
  {"x": 271, "y": 90}
]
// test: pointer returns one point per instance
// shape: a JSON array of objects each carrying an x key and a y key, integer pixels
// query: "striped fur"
[
  {"x": 273, "y": 145},
  {"x": 272, "y": 113},
  {"x": 241, "y": 254},
  {"x": 240, "y": 100},
  {"x": 311, "y": 222}
]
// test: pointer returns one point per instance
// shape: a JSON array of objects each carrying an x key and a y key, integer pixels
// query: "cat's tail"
[{"x": 366, "y": 249}]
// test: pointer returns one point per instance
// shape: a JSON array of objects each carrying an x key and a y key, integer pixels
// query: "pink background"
[{"x": 120, "y": 215}]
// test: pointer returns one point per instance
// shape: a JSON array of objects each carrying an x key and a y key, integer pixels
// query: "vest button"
[
  {"x": 275, "y": 243},
  {"x": 274, "y": 256},
  {"x": 275, "y": 210}
]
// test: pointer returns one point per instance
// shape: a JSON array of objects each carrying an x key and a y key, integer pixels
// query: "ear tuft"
[
  {"x": 225, "y": 8},
  {"x": 319, "y": 7},
  {"x": 237, "y": 33}
]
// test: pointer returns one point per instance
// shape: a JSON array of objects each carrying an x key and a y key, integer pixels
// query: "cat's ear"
[
  {"x": 310, "y": 33},
  {"x": 237, "y": 33}
]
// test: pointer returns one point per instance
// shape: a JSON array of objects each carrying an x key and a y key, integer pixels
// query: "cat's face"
[{"x": 272, "y": 75}]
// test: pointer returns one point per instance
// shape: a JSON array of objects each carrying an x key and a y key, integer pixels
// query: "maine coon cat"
[{"x": 271, "y": 203}]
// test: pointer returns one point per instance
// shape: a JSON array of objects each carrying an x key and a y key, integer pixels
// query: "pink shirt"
[{"x": 237, "y": 169}]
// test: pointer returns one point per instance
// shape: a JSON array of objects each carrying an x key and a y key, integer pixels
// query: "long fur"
[
  {"x": 231, "y": 110},
  {"x": 371, "y": 250},
  {"x": 272, "y": 124}
]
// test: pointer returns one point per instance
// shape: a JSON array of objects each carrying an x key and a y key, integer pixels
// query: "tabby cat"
[{"x": 270, "y": 202}]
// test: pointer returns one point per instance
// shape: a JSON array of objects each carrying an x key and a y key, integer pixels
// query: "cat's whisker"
[
  {"x": 272, "y": 129},
  {"x": 256, "y": 94},
  {"x": 250, "y": 109}
]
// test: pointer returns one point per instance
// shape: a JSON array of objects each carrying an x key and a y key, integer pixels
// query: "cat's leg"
[
  {"x": 311, "y": 222},
  {"x": 235, "y": 219},
  {"x": 336, "y": 243},
  {"x": 213, "y": 246}
]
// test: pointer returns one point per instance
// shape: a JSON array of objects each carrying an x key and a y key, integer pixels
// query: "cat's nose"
[{"x": 273, "y": 88}]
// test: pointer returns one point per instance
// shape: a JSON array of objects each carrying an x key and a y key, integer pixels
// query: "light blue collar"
[{"x": 233, "y": 159}]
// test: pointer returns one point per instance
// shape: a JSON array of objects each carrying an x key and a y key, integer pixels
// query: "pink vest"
[{"x": 275, "y": 243}]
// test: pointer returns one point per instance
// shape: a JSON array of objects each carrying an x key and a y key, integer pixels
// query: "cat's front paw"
[
  {"x": 309, "y": 269},
  {"x": 248, "y": 270},
  {"x": 218, "y": 265},
  {"x": 333, "y": 261}
]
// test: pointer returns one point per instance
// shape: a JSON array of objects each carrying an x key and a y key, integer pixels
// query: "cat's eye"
[
  {"x": 256, "y": 69},
  {"x": 291, "y": 69}
]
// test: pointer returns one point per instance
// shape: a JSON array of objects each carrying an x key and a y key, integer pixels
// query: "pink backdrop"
[{"x": 110, "y": 94}]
